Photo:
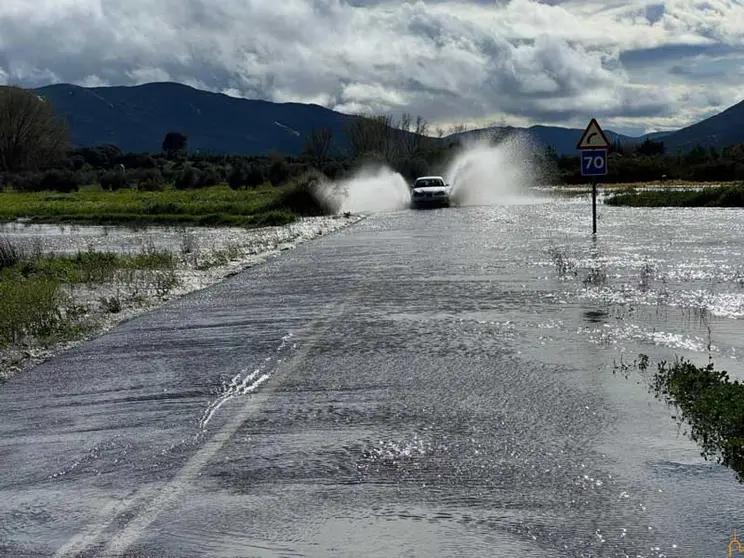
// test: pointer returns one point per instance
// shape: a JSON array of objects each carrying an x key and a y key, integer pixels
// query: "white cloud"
[{"x": 518, "y": 62}]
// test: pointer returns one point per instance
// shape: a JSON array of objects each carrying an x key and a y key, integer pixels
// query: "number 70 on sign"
[{"x": 594, "y": 162}]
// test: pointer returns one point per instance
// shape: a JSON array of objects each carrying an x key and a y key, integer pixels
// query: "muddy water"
[{"x": 437, "y": 383}]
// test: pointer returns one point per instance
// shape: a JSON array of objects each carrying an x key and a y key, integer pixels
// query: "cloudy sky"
[{"x": 638, "y": 66}]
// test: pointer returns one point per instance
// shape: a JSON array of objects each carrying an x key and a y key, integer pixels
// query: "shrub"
[
  {"x": 237, "y": 177},
  {"x": 149, "y": 180},
  {"x": 188, "y": 178},
  {"x": 304, "y": 197},
  {"x": 278, "y": 173},
  {"x": 208, "y": 177},
  {"x": 114, "y": 180},
  {"x": 65, "y": 181}
]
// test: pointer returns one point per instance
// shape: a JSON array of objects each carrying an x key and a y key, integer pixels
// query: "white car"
[{"x": 430, "y": 191}]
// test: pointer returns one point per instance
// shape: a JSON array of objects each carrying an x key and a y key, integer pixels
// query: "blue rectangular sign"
[{"x": 594, "y": 162}]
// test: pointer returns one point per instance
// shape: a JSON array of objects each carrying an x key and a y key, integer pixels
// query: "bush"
[
  {"x": 188, "y": 178},
  {"x": 137, "y": 161},
  {"x": 208, "y": 177},
  {"x": 65, "y": 181},
  {"x": 278, "y": 173},
  {"x": 302, "y": 197},
  {"x": 255, "y": 176},
  {"x": 114, "y": 180},
  {"x": 149, "y": 180}
]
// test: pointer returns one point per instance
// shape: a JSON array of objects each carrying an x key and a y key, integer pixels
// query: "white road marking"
[{"x": 160, "y": 496}]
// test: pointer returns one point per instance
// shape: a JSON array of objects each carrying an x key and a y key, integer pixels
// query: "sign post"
[{"x": 593, "y": 146}]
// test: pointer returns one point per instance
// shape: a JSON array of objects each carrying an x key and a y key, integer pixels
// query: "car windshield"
[{"x": 427, "y": 182}]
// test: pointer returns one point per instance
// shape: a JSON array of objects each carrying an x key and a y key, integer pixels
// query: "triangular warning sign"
[{"x": 593, "y": 137}]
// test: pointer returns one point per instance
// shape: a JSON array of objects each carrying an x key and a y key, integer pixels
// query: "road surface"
[{"x": 399, "y": 388}]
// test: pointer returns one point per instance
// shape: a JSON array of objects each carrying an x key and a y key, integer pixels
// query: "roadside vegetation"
[
  {"x": 720, "y": 196},
  {"x": 707, "y": 403},
  {"x": 37, "y": 302}
]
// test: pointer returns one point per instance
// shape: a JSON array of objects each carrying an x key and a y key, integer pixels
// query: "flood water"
[{"x": 432, "y": 383}]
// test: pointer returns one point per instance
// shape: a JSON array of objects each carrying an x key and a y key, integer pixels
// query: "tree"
[
  {"x": 371, "y": 134},
  {"x": 414, "y": 134},
  {"x": 650, "y": 147},
  {"x": 175, "y": 142},
  {"x": 32, "y": 136},
  {"x": 318, "y": 146},
  {"x": 278, "y": 173}
]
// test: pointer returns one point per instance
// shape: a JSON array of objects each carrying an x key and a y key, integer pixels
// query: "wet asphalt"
[{"x": 387, "y": 390}]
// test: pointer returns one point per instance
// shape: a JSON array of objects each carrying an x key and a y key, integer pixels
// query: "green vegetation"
[
  {"x": 724, "y": 196},
  {"x": 35, "y": 300},
  {"x": 708, "y": 402},
  {"x": 649, "y": 161},
  {"x": 213, "y": 205}
]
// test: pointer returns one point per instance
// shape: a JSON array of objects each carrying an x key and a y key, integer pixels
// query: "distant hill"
[
  {"x": 724, "y": 129},
  {"x": 136, "y": 118},
  {"x": 564, "y": 140}
]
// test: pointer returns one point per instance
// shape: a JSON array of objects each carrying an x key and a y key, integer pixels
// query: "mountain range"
[{"x": 137, "y": 118}]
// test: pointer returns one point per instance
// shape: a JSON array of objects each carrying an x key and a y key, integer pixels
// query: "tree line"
[{"x": 35, "y": 155}]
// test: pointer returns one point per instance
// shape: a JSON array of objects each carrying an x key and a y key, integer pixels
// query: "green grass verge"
[
  {"x": 724, "y": 196},
  {"x": 213, "y": 206}
]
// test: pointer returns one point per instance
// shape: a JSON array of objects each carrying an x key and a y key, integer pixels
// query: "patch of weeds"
[
  {"x": 564, "y": 265},
  {"x": 152, "y": 260},
  {"x": 597, "y": 276},
  {"x": 188, "y": 242},
  {"x": 29, "y": 308},
  {"x": 711, "y": 404},
  {"x": 164, "y": 281},
  {"x": 231, "y": 252},
  {"x": 640, "y": 363},
  {"x": 111, "y": 304},
  {"x": 708, "y": 406},
  {"x": 10, "y": 254},
  {"x": 648, "y": 273}
]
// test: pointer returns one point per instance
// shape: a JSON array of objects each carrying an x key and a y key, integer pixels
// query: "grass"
[
  {"x": 723, "y": 196},
  {"x": 213, "y": 206},
  {"x": 35, "y": 305}
]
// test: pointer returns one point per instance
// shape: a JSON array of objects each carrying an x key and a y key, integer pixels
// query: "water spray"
[
  {"x": 484, "y": 173},
  {"x": 481, "y": 173}
]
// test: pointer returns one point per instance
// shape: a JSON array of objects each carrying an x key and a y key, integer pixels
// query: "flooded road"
[{"x": 433, "y": 383}]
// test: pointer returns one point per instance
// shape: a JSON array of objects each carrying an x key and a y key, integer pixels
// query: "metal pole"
[{"x": 594, "y": 205}]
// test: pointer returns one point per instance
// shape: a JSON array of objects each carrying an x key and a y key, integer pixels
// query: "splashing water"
[
  {"x": 373, "y": 189},
  {"x": 481, "y": 174},
  {"x": 488, "y": 174}
]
